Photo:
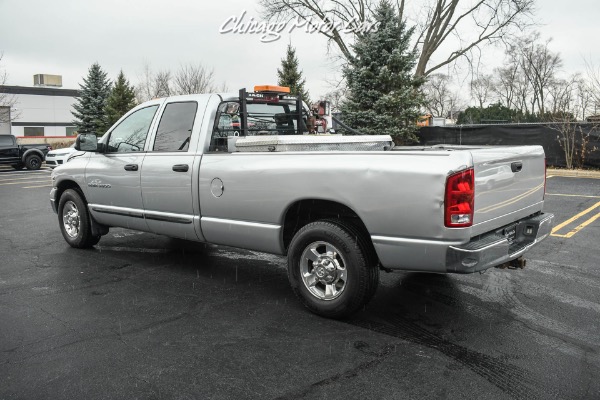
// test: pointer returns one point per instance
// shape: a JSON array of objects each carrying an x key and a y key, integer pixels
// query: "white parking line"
[
  {"x": 20, "y": 179},
  {"x": 25, "y": 172},
  {"x": 573, "y": 195},
  {"x": 23, "y": 183},
  {"x": 31, "y": 187}
]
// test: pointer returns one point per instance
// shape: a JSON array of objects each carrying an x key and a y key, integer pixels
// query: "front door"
[{"x": 113, "y": 177}]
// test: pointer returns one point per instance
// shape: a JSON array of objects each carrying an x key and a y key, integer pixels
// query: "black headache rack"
[{"x": 268, "y": 97}]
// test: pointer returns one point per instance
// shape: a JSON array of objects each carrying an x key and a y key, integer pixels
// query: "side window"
[
  {"x": 175, "y": 127},
  {"x": 6, "y": 140},
  {"x": 130, "y": 135}
]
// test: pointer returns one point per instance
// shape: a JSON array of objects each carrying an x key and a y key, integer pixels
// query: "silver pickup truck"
[{"x": 240, "y": 170}]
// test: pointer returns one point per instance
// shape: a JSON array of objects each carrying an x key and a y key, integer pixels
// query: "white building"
[{"x": 41, "y": 110}]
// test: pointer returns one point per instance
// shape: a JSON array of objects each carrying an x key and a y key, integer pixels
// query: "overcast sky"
[{"x": 65, "y": 37}]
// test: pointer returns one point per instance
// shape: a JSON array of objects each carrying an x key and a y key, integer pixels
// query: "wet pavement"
[{"x": 148, "y": 317}]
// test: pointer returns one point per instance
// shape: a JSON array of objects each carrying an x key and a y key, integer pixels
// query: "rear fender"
[{"x": 32, "y": 151}]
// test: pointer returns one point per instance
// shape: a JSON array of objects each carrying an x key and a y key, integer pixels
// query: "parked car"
[
  {"x": 28, "y": 156},
  {"x": 340, "y": 207},
  {"x": 58, "y": 157}
]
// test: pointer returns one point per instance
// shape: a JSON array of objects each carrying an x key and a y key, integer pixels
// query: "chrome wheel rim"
[
  {"x": 71, "y": 220},
  {"x": 323, "y": 270}
]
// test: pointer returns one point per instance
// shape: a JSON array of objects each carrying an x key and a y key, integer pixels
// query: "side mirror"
[{"x": 87, "y": 142}]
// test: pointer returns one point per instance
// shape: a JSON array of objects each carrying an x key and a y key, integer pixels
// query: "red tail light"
[
  {"x": 459, "y": 202},
  {"x": 49, "y": 148}
]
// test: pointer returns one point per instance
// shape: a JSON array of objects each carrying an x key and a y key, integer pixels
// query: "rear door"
[
  {"x": 9, "y": 151},
  {"x": 113, "y": 178},
  {"x": 169, "y": 172}
]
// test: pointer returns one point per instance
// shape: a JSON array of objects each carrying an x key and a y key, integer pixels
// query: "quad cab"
[{"x": 242, "y": 170}]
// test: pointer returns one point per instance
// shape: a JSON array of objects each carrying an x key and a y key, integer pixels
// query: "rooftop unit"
[{"x": 47, "y": 80}]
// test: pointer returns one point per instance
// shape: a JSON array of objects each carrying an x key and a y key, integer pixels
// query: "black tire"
[
  {"x": 33, "y": 162},
  {"x": 79, "y": 232},
  {"x": 352, "y": 250},
  {"x": 369, "y": 251},
  {"x": 18, "y": 166}
]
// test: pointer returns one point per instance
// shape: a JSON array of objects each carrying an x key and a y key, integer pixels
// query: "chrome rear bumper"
[{"x": 500, "y": 246}]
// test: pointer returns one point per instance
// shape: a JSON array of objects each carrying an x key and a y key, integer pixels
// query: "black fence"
[{"x": 521, "y": 134}]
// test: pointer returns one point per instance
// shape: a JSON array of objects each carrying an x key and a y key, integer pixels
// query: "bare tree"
[
  {"x": 540, "y": 65},
  {"x": 153, "y": 85},
  {"x": 482, "y": 89},
  {"x": 562, "y": 96},
  {"x": 470, "y": 26},
  {"x": 572, "y": 138},
  {"x": 585, "y": 97},
  {"x": 529, "y": 73},
  {"x": 144, "y": 89},
  {"x": 568, "y": 106},
  {"x": 440, "y": 99},
  {"x": 593, "y": 79},
  {"x": 7, "y": 100},
  {"x": 191, "y": 79},
  {"x": 505, "y": 85},
  {"x": 313, "y": 13},
  {"x": 335, "y": 98},
  {"x": 476, "y": 24},
  {"x": 162, "y": 84}
]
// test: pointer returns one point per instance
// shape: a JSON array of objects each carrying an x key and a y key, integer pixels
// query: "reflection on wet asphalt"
[{"x": 143, "y": 316}]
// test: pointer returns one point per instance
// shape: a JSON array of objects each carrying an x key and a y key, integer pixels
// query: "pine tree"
[
  {"x": 290, "y": 76},
  {"x": 383, "y": 96},
  {"x": 120, "y": 100},
  {"x": 89, "y": 109}
]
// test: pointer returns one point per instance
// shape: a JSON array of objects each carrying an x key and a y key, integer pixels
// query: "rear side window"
[
  {"x": 6, "y": 140},
  {"x": 175, "y": 127}
]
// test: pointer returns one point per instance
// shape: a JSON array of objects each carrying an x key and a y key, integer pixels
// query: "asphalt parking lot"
[{"x": 148, "y": 317}]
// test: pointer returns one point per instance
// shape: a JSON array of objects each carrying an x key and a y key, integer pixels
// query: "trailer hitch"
[{"x": 517, "y": 263}]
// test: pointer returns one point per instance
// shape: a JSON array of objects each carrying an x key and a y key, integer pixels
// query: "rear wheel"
[
  {"x": 74, "y": 220},
  {"x": 33, "y": 162},
  {"x": 330, "y": 268}
]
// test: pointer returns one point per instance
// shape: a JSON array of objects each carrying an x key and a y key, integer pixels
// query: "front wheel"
[
  {"x": 331, "y": 270},
  {"x": 33, "y": 162},
  {"x": 74, "y": 220}
]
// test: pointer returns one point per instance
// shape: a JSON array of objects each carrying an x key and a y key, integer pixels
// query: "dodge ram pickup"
[
  {"x": 241, "y": 170},
  {"x": 20, "y": 156}
]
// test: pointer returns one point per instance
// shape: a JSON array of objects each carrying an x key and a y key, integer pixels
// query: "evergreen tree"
[
  {"x": 494, "y": 113},
  {"x": 384, "y": 96},
  {"x": 89, "y": 109},
  {"x": 290, "y": 76},
  {"x": 120, "y": 100}
]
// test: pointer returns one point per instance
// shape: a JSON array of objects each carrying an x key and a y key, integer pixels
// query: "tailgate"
[{"x": 509, "y": 185}]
